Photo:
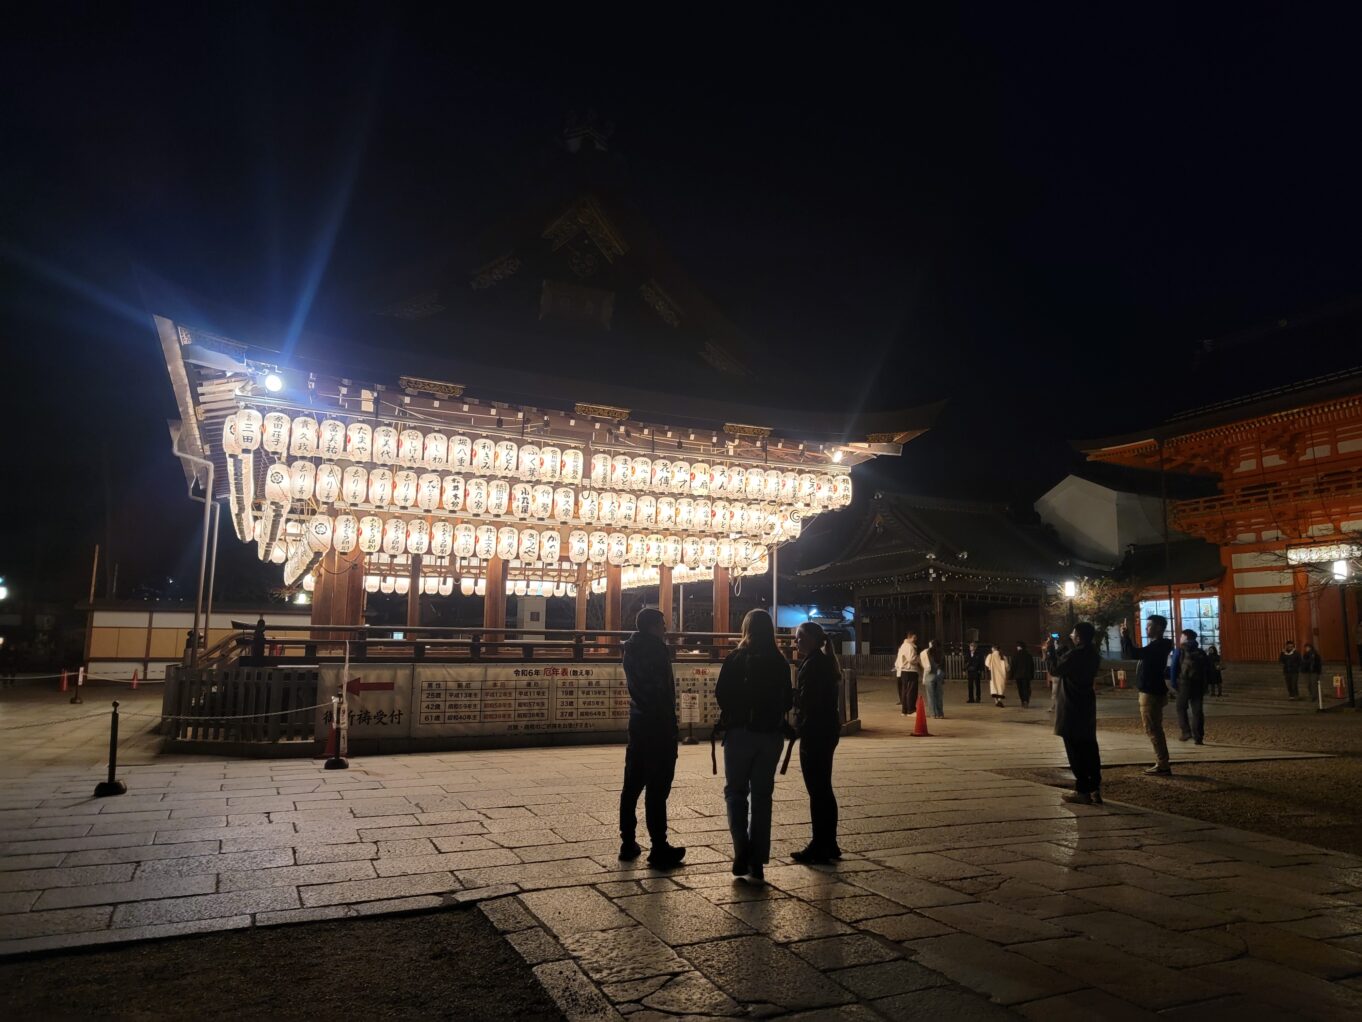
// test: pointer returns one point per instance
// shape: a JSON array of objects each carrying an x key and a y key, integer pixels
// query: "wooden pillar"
[
  {"x": 614, "y": 599},
  {"x": 339, "y": 595},
  {"x": 1301, "y": 601},
  {"x": 720, "y": 600},
  {"x": 414, "y": 594},
  {"x": 583, "y": 596},
  {"x": 1229, "y": 625},
  {"x": 494, "y": 603},
  {"x": 664, "y": 594}
]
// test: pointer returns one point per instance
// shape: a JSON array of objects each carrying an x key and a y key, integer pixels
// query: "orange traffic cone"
[
  {"x": 63, "y": 682},
  {"x": 134, "y": 677},
  {"x": 920, "y": 725}
]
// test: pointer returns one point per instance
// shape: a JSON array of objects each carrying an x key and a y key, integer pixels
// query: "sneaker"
[
  {"x": 1200, "y": 742},
  {"x": 811, "y": 856},
  {"x": 1081, "y": 798},
  {"x": 1159, "y": 770},
  {"x": 629, "y": 851},
  {"x": 756, "y": 874},
  {"x": 665, "y": 856},
  {"x": 740, "y": 865}
]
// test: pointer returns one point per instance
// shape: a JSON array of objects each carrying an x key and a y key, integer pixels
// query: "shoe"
[
  {"x": 1097, "y": 798},
  {"x": 1184, "y": 738},
  {"x": 740, "y": 865},
  {"x": 629, "y": 851},
  {"x": 834, "y": 852},
  {"x": 1081, "y": 798},
  {"x": 1155, "y": 770},
  {"x": 756, "y": 875},
  {"x": 1200, "y": 742},
  {"x": 811, "y": 856},
  {"x": 666, "y": 856}
]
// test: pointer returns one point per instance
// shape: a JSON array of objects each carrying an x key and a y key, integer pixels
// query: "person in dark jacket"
[
  {"x": 974, "y": 672},
  {"x": 1151, "y": 679},
  {"x": 1290, "y": 659},
  {"x": 1076, "y": 714},
  {"x": 1312, "y": 667},
  {"x": 650, "y": 759},
  {"x": 754, "y": 694},
  {"x": 1217, "y": 679},
  {"x": 1189, "y": 672},
  {"x": 1023, "y": 668},
  {"x": 818, "y": 722},
  {"x": 258, "y": 642}
]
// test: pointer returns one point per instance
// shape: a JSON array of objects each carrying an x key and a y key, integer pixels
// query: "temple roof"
[{"x": 1188, "y": 561}]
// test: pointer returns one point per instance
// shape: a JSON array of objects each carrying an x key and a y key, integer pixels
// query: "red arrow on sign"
[{"x": 354, "y": 686}]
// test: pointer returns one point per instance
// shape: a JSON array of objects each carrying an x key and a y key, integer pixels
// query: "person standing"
[
  {"x": 1076, "y": 715},
  {"x": 818, "y": 722},
  {"x": 997, "y": 675},
  {"x": 1311, "y": 667},
  {"x": 1217, "y": 679},
  {"x": 258, "y": 642},
  {"x": 1187, "y": 673},
  {"x": 1023, "y": 667},
  {"x": 650, "y": 757},
  {"x": 907, "y": 665},
  {"x": 1050, "y": 654},
  {"x": 1151, "y": 680},
  {"x": 934, "y": 679},
  {"x": 974, "y": 672},
  {"x": 1290, "y": 659},
  {"x": 754, "y": 694}
]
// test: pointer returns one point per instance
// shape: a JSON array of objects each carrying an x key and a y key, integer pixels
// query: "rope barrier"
[
  {"x": 48, "y": 723},
  {"x": 162, "y": 716}
]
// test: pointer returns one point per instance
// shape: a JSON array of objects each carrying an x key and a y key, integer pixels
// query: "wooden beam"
[
  {"x": 339, "y": 595},
  {"x": 583, "y": 596},
  {"x": 614, "y": 599},
  {"x": 664, "y": 594},
  {"x": 721, "y": 623},
  {"x": 494, "y": 603},
  {"x": 414, "y": 594}
]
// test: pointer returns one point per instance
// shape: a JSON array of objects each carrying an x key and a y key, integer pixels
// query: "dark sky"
[{"x": 1037, "y": 212}]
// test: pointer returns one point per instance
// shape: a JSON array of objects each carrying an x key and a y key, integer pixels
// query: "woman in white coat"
[
  {"x": 997, "y": 675},
  {"x": 906, "y": 668}
]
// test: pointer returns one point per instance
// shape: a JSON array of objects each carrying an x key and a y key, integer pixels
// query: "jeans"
[
  {"x": 933, "y": 691},
  {"x": 975, "y": 693},
  {"x": 750, "y": 761},
  {"x": 1291, "y": 691},
  {"x": 1191, "y": 714},
  {"x": 908, "y": 691},
  {"x": 1151, "y": 714},
  {"x": 649, "y": 764},
  {"x": 815, "y": 763},
  {"x": 1085, "y": 760}
]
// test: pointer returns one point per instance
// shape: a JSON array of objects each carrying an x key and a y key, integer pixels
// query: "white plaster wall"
[
  {"x": 1254, "y": 603},
  {"x": 1085, "y": 517}
]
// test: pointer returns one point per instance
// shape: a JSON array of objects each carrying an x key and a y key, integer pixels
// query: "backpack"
[{"x": 1194, "y": 667}]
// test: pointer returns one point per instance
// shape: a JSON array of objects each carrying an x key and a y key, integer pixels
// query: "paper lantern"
[
  {"x": 345, "y": 533},
  {"x": 231, "y": 443},
  {"x": 641, "y": 473},
  {"x": 550, "y": 546},
  {"x": 446, "y": 587},
  {"x": 666, "y": 511},
  {"x": 498, "y": 496},
  {"x": 579, "y": 546},
  {"x": 598, "y": 585},
  {"x": 465, "y": 540},
  {"x": 825, "y": 492},
  {"x": 680, "y": 477},
  {"x": 699, "y": 479},
  {"x": 737, "y": 480},
  {"x": 442, "y": 538},
  {"x": 309, "y": 583},
  {"x": 355, "y": 485},
  {"x": 331, "y": 438},
  {"x": 789, "y": 487},
  {"x": 792, "y": 524},
  {"x": 428, "y": 491},
  {"x": 475, "y": 496},
  {"x": 359, "y": 441},
  {"x": 619, "y": 471},
  {"x": 371, "y": 583},
  {"x": 723, "y": 516},
  {"x": 529, "y": 545},
  {"x": 319, "y": 530},
  {"x": 559, "y": 589},
  {"x": 522, "y": 500},
  {"x": 564, "y": 501},
  {"x": 762, "y": 563},
  {"x": 303, "y": 437},
  {"x": 652, "y": 550},
  {"x": 410, "y": 447},
  {"x": 756, "y": 520},
  {"x": 589, "y": 507},
  {"x": 634, "y": 549},
  {"x": 508, "y": 542},
  {"x": 394, "y": 536},
  {"x": 461, "y": 453},
  {"x": 724, "y": 553},
  {"x": 278, "y": 552},
  {"x": 627, "y": 510},
  {"x": 662, "y": 474},
  {"x": 302, "y": 477},
  {"x": 770, "y": 489},
  {"x": 541, "y": 501},
  {"x": 572, "y": 466},
  {"x": 737, "y": 517},
  {"x": 771, "y": 526},
  {"x": 480, "y": 587},
  {"x": 274, "y": 437},
  {"x": 690, "y": 551},
  {"x": 598, "y": 548},
  {"x": 610, "y": 508},
  {"x": 467, "y": 585},
  {"x": 328, "y": 482},
  {"x": 646, "y": 514},
  {"x": 380, "y": 487},
  {"x": 418, "y": 536},
  {"x": 484, "y": 454},
  {"x": 718, "y": 479},
  {"x": 528, "y": 463},
  {"x": 387, "y": 585},
  {"x": 485, "y": 542},
  {"x": 702, "y": 517},
  {"x": 451, "y": 493},
  {"x": 807, "y": 488},
  {"x": 617, "y": 548},
  {"x": 671, "y": 550},
  {"x": 600, "y": 470},
  {"x": 504, "y": 458},
  {"x": 685, "y": 513},
  {"x": 248, "y": 426},
  {"x": 842, "y": 486},
  {"x": 520, "y": 588},
  {"x": 742, "y": 552},
  {"x": 709, "y": 552},
  {"x": 550, "y": 463},
  {"x": 756, "y": 484},
  {"x": 277, "y": 489},
  {"x": 435, "y": 453},
  {"x": 385, "y": 445},
  {"x": 430, "y": 584}
]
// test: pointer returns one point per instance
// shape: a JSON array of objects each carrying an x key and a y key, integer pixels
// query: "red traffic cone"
[
  {"x": 920, "y": 725},
  {"x": 63, "y": 682},
  {"x": 134, "y": 677}
]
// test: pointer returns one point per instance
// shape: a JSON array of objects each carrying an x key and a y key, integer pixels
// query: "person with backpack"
[
  {"x": 754, "y": 694},
  {"x": 818, "y": 721},
  {"x": 1311, "y": 667},
  {"x": 1290, "y": 659},
  {"x": 1189, "y": 671}
]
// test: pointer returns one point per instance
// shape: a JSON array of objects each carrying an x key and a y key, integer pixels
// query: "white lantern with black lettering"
[
  {"x": 618, "y": 548},
  {"x": 486, "y": 542},
  {"x": 528, "y": 464},
  {"x": 435, "y": 453},
  {"x": 451, "y": 493},
  {"x": 498, "y": 496},
  {"x": 709, "y": 552},
  {"x": 666, "y": 511},
  {"x": 359, "y": 441},
  {"x": 404, "y": 488},
  {"x": 428, "y": 491},
  {"x": 770, "y": 529},
  {"x": 662, "y": 475},
  {"x": 303, "y": 437},
  {"x": 610, "y": 508},
  {"x": 385, "y": 445},
  {"x": 355, "y": 485},
  {"x": 756, "y": 484},
  {"x": 274, "y": 437},
  {"x": 627, "y": 510},
  {"x": 319, "y": 532},
  {"x": 718, "y": 479},
  {"x": 771, "y": 484},
  {"x": 680, "y": 477},
  {"x": 248, "y": 426},
  {"x": 381, "y": 487},
  {"x": 737, "y": 517},
  {"x": 703, "y": 515},
  {"x": 410, "y": 447},
  {"x": 465, "y": 540},
  {"x": 467, "y": 585},
  {"x": 331, "y": 438},
  {"x": 652, "y": 549},
  {"x": 418, "y": 536},
  {"x": 508, "y": 542},
  {"x": 572, "y": 466},
  {"x": 685, "y": 513},
  {"x": 370, "y": 534},
  {"x": 690, "y": 552},
  {"x": 302, "y": 477},
  {"x": 550, "y": 546},
  {"x": 789, "y": 487},
  {"x": 598, "y": 548},
  {"x": 484, "y": 455},
  {"x": 231, "y": 443},
  {"x": 699, "y": 479},
  {"x": 504, "y": 459},
  {"x": 394, "y": 536},
  {"x": 475, "y": 496},
  {"x": 461, "y": 453},
  {"x": 541, "y": 503},
  {"x": 619, "y": 471},
  {"x": 529, "y": 545},
  {"x": 842, "y": 486},
  {"x": 522, "y": 500},
  {"x": 640, "y": 473},
  {"x": 646, "y": 514},
  {"x": 671, "y": 551},
  {"x": 589, "y": 505},
  {"x": 737, "y": 480},
  {"x": 806, "y": 488},
  {"x": 600, "y": 470},
  {"x": 579, "y": 546},
  {"x": 328, "y": 482},
  {"x": 742, "y": 552},
  {"x": 345, "y": 533},
  {"x": 550, "y": 463},
  {"x": 723, "y": 516},
  {"x": 442, "y": 538},
  {"x": 564, "y": 503},
  {"x": 724, "y": 553},
  {"x": 277, "y": 490}
]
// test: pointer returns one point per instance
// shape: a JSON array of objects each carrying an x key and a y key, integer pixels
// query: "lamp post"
[
  {"x": 1070, "y": 591},
  {"x": 1341, "y": 573},
  {"x": 1340, "y": 554}
]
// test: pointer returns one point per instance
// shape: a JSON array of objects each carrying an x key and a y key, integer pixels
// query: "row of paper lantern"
[{"x": 303, "y": 437}]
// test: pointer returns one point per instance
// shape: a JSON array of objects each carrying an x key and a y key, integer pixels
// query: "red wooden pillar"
[{"x": 1301, "y": 602}]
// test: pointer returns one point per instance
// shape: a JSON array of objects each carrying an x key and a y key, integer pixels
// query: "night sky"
[{"x": 1038, "y": 219}]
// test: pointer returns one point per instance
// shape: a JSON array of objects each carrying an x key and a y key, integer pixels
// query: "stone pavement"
[{"x": 963, "y": 894}]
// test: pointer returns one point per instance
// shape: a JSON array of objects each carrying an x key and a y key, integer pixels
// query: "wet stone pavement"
[{"x": 963, "y": 894}]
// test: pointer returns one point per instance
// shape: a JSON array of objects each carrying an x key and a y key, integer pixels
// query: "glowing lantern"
[
  {"x": 550, "y": 546},
  {"x": 598, "y": 585},
  {"x": 465, "y": 540},
  {"x": 842, "y": 486},
  {"x": 756, "y": 484},
  {"x": 435, "y": 453},
  {"x": 504, "y": 459},
  {"x": 559, "y": 589},
  {"x": 394, "y": 536},
  {"x": 628, "y": 508},
  {"x": 718, "y": 479},
  {"x": 331, "y": 439},
  {"x": 600, "y": 470},
  {"x": 467, "y": 584},
  {"x": 277, "y": 489},
  {"x": 762, "y": 564},
  {"x": 481, "y": 587},
  {"x": 359, "y": 441},
  {"x": 807, "y": 488},
  {"x": 666, "y": 511},
  {"x": 610, "y": 507},
  {"x": 521, "y": 588},
  {"x": 231, "y": 443},
  {"x": 652, "y": 550},
  {"x": 709, "y": 552},
  {"x": 619, "y": 471},
  {"x": 248, "y": 424},
  {"x": 418, "y": 536},
  {"x": 410, "y": 447},
  {"x": 371, "y": 583},
  {"x": 742, "y": 552},
  {"x": 370, "y": 534},
  {"x": 737, "y": 517},
  {"x": 792, "y": 524},
  {"x": 598, "y": 547},
  {"x": 380, "y": 487},
  {"x": 826, "y": 492},
  {"x": 476, "y": 496},
  {"x": 385, "y": 445},
  {"x": 508, "y": 542},
  {"x": 671, "y": 551},
  {"x": 328, "y": 482},
  {"x": 529, "y": 462},
  {"x": 428, "y": 491},
  {"x": 617, "y": 548},
  {"x": 387, "y": 585},
  {"x": 690, "y": 552},
  {"x": 647, "y": 511},
  {"x": 789, "y": 486},
  {"x": 680, "y": 477},
  {"x": 345, "y": 533},
  {"x": 724, "y": 553},
  {"x": 498, "y": 496},
  {"x": 723, "y": 516},
  {"x": 770, "y": 489},
  {"x": 770, "y": 528},
  {"x": 309, "y": 583},
  {"x": 522, "y": 500},
  {"x": 279, "y": 553},
  {"x": 319, "y": 530},
  {"x": 302, "y": 480},
  {"x": 572, "y": 466},
  {"x": 430, "y": 584},
  {"x": 703, "y": 515},
  {"x": 446, "y": 587},
  {"x": 303, "y": 437},
  {"x": 442, "y": 538},
  {"x": 564, "y": 503},
  {"x": 662, "y": 474},
  {"x": 529, "y": 545},
  {"x": 685, "y": 513},
  {"x": 541, "y": 502},
  {"x": 737, "y": 480},
  {"x": 461, "y": 453},
  {"x": 451, "y": 493},
  {"x": 579, "y": 546},
  {"x": 699, "y": 479},
  {"x": 275, "y": 436},
  {"x": 590, "y": 506},
  {"x": 484, "y": 454},
  {"x": 633, "y": 551},
  {"x": 756, "y": 520},
  {"x": 485, "y": 545},
  {"x": 355, "y": 485},
  {"x": 640, "y": 473},
  {"x": 550, "y": 463}
]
